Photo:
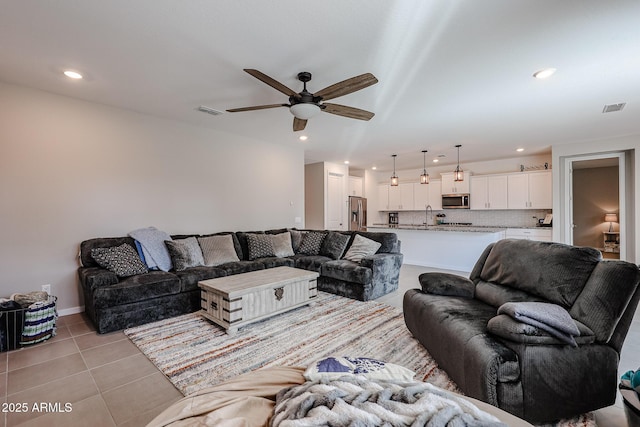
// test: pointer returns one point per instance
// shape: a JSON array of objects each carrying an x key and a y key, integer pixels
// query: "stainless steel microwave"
[{"x": 455, "y": 201}]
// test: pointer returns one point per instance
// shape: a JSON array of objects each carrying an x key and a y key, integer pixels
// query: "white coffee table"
[{"x": 238, "y": 300}]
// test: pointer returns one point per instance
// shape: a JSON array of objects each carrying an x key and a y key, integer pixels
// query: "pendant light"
[
  {"x": 458, "y": 174},
  {"x": 424, "y": 178},
  {"x": 394, "y": 177}
]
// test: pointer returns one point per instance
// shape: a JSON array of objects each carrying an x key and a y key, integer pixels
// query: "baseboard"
[{"x": 72, "y": 310}]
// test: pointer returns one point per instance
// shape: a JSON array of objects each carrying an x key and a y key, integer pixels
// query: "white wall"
[
  {"x": 630, "y": 145},
  {"x": 72, "y": 170}
]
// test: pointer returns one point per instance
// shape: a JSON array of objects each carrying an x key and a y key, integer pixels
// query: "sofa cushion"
[
  {"x": 185, "y": 253},
  {"x": 296, "y": 239},
  {"x": 446, "y": 284},
  {"x": 260, "y": 246},
  {"x": 241, "y": 267},
  {"x": 388, "y": 241},
  {"x": 496, "y": 295},
  {"x": 348, "y": 271},
  {"x": 310, "y": 262},
  {"x": 122, "y": 260},
  {"x": 218, "y": 249},
  {"x": 136, "y": 288},
  {"x": 311, "y": 243},
  {"x": 334, "y": 245},
  {"x": 86, "y": 260},
  {"x": 271, "y": 262},
  {"x": 282, "y": 244},
  {"x": 190, "y": 277},
  {"x": 360, "y": 248},
  {"x": 554, "y": 271},
  {"x": 244, "y": 244}
]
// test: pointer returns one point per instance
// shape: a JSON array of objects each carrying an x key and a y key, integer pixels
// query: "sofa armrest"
[
  {"x": 385, "y": 266},
  {"x": 93, "y": 277},
  {"x": 447, "y": 284}
]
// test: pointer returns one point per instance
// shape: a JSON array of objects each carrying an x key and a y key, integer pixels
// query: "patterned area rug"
[{"x": 195, "y": 353}]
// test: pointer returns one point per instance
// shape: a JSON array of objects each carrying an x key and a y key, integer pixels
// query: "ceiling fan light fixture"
[
  {"x": 304, "y": 111},
  {"x": 458, "y": 174},
  {"x": 424, "y": 178},
  {"x": 394, "y": 177}
]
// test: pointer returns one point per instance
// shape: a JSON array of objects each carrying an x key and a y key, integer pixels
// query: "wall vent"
[
  {"x": 209, "y": 110},
  {"x": 613, "y": 107}
]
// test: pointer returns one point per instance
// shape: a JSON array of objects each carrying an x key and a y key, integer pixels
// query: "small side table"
[{"x": 611, "y": 241}]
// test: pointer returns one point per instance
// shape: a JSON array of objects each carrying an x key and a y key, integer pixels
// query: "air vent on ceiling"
[
  {"x": 613, "y": 107},
  {"x": 209, "y": 110}
]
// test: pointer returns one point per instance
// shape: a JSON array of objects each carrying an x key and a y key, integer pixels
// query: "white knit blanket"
[{"x": 355, "y": 401}]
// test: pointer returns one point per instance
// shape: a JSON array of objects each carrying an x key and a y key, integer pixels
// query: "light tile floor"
[{"x": 108, "y": 382}]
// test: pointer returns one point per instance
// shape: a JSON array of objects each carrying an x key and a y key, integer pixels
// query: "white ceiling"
[{"x": 450, "y": 71}]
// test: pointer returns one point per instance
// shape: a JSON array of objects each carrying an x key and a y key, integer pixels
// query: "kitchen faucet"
[{"x": 426, "y": 215}]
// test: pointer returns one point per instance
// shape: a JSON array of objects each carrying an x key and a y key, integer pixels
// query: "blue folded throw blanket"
[
  {"x": 155, "y": 251},
  {"x": 551, "y": 318}
]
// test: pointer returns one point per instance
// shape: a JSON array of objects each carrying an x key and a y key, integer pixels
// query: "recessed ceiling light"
[
  {"x": 520, "y": 150},
  {"x": 303, "y": 137},
  {"x": 435, "y": 160},
  {"x": 73, "y": 74},
  {"x": 544, "y": 73},
  {"x": 346, "y": 162},
  {"x": 374, "y": 167}
]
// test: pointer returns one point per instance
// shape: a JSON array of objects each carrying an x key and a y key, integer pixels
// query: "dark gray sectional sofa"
[{"x": 115, "y": 303}]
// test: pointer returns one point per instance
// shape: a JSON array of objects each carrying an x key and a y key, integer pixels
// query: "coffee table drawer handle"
[
  {"x": 214, "y": 305},
  {"x": 279, "y": 293}
]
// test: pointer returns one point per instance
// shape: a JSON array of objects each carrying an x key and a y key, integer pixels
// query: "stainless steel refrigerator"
[{"x": 357, "y": 213}]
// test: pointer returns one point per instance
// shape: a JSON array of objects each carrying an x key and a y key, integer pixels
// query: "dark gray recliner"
[{"x": 517, "y": 367}]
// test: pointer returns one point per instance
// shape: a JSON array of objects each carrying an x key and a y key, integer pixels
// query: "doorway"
[{"x": 596, "y": 203}]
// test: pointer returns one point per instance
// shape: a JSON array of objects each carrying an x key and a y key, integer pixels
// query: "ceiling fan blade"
[
  {"x": 256, "y": 107},
  {"x": 298, "y": 124},
  {"x": 351, "y": 112},
  {"x": 347, "y": 86},
  {"x": 271, "y": 82}
]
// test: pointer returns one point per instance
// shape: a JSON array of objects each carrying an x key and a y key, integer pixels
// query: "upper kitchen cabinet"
[
  {"x": 488, "y": 192},
  {"x": 449, "y": 186},
  {"x": 401, "y": 197},
  {"x": 427, "y": 194},
  {"x": 530, "y": 190},
  {"x": 355, "y": 186}
]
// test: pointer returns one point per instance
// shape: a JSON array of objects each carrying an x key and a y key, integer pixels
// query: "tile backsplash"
[{"x": 497, "y": 218}]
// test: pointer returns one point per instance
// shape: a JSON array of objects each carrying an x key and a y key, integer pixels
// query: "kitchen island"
[{"x": 449, "y": 247}]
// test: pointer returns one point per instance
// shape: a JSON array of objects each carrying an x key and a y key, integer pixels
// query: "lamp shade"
[
  {"x": 304, "y": 111},
  {"x": 611, "y": 217}
]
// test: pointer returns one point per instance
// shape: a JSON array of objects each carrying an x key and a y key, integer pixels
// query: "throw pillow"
[
  {"x": 311, "y": 243},
  {"x": 334, "y": 245},
  {"x": 185, "y": 253},
  {"x": 282, "y": 244},
  {"x": 360, "y": 248},
  {"x": 217, "y": 250},
  {"x": 296, "y": 239},
  {"x": 331, "y": 368},
  {"x": 122, "y": 260},
  {"x": 260, "y": 246}
]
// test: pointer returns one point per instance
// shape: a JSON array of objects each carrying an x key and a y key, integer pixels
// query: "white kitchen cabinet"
[
  {"x": 427, "y": 194},
  {"x": 449, "y": 186},
  {"x": 355, "y": 186},
  {"x": 541, "y": 234},
  {"x": 488, "y": 192},
  {"x": 383, "y": 197},
  {"x": 401, "y": 197},
  {"x": 531, "y": 190}
]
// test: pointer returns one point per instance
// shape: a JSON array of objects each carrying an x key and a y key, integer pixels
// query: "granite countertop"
[{"x": 450, "y": 227}]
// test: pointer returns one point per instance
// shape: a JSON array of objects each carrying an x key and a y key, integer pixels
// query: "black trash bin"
[{"x": 11, "y": 325}]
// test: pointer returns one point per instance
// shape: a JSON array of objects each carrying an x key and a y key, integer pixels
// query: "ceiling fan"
[{"x": 305, "y": 105}]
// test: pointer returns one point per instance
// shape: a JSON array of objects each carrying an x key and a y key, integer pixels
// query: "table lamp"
[{"x": 611, "y": 218}]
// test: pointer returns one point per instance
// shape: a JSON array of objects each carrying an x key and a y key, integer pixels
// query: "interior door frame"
[{"x": 567, "y": 220}]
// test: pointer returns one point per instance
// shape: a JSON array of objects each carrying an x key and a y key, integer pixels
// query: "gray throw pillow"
[
  {"x": 360, "y": 248},
  {"x": 260, "y": 246},
  {"x": 296, "y": 238},
  {"x": 282, "y": 244},
  {"x": 122, "y": 260},
  {"x": 311, "y": 243},
  {"x": 184, "y": 253},
  {"x": 217, "y": 250},
  {"x": 334, "y": 245}
]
